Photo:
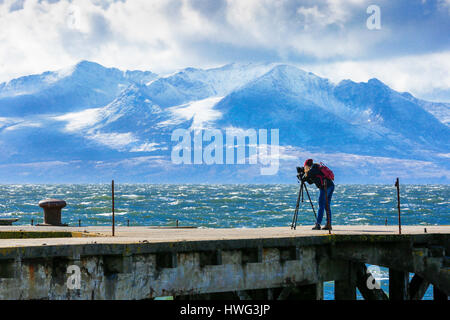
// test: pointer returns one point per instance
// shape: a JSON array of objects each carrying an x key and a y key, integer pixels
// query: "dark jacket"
[{"x": 314, "y": 175}]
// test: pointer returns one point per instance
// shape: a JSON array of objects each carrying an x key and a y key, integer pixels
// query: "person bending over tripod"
[{"x": 323, "y": 178}]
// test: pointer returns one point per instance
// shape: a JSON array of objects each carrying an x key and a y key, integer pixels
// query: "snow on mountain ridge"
[
  {"x": 84, "y": 85},
  {"x": 76, "y": 121},
  {"x": 192, "y": 84},
  {"x": 440, "y": 110},
  {"x": 202, "y": 112},
  {"x": 306, "y": 86}
]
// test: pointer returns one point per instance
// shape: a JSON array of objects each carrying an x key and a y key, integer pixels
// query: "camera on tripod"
[{"x": 300, "y": 173}]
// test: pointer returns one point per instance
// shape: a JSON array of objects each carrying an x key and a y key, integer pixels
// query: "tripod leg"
[
  {"x": 312, "y": 206},
  {"x": 301, "y": 186},
  {"x": 294, "y": 218}
]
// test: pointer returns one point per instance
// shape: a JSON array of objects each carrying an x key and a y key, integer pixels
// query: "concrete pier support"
[
  {"x": 398, "y": 284},
  {"x": 307, "y": 292},
  {"x": 345, "y": 289}
]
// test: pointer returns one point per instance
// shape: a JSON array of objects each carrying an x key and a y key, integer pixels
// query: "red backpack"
[{"x": 327, "y": 173}]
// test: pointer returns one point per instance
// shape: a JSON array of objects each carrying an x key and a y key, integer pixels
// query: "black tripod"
[{"x": 300, "y": 195}]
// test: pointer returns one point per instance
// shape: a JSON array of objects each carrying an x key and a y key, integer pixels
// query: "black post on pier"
[
  {"x": 397, "y": 184},
  {"x": 112, "y": 193}
]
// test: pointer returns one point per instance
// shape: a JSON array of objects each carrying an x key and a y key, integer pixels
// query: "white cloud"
[
  {"x": 163, "y": 36},
  {"x": 418, "y": 74},
  {"x": 160, "y": 35},
  {"x": 146, "y": 147}
]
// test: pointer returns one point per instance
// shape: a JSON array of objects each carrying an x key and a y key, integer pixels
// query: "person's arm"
[
  {"x": 313, "y": 176},
  {"x": 308, "y": 179},
  {"x": 314, "y": 171}
]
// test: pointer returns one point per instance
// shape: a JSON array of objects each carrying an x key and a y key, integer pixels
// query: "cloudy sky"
[{"x": 410, "y": 52}]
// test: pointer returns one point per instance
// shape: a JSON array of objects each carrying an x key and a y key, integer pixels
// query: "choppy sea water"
[{"x": 229, "y": 206}]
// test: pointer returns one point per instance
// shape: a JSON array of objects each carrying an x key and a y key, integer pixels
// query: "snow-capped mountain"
[
  {"x": 193, "y": 84},
  {"x": 84, "y": 85},
  {"x": 366, "y": 118},
  {"x": 88, "y": 123}
]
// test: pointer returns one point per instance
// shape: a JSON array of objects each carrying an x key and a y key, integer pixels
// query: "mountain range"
[{"x": 89, "y": 124}]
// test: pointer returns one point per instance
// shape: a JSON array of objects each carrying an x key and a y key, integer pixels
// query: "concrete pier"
[{"x": 200, "y": 263}]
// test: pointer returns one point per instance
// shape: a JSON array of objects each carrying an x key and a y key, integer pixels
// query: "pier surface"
[
  {"x": 205, "y": 263},
  {"x": 103, "y": 234}
]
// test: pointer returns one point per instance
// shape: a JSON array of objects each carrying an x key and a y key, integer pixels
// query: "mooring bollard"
[{"x": 52, "y": 212}]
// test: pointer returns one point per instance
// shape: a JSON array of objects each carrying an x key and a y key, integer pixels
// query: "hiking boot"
[
  {"x": 316, "y": 227},
  {"x": 327, "y": 227}
]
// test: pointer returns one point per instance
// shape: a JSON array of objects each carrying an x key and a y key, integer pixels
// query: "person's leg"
[
  {"x": 330, "y": 194},
  {"x": 321, "y": 206}
]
